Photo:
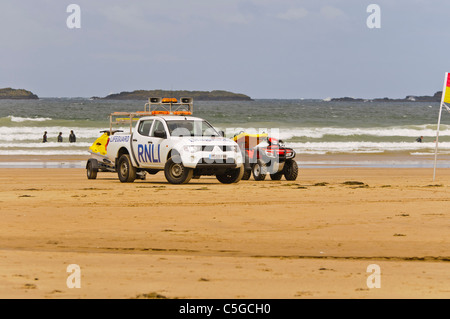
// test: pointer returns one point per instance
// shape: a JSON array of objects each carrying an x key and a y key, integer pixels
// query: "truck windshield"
[{"x": 191, "y": 128}]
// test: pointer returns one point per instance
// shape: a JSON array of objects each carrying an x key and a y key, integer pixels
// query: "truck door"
[
  {"x": 147, "y": 147},
  {"x": 158, "y": 137},
  {"x": 141, "y": 143}
]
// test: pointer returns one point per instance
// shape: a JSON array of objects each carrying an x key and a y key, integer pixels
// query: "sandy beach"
[{"x": 312, "y": 238}]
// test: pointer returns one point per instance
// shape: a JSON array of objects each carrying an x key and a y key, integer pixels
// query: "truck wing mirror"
[{"x": 160, "y": 134}]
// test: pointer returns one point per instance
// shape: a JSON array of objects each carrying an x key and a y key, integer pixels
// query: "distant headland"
[
  {"x": 216, "y": 95},
  {"x": 17, "y": 94},
  {"x": 410, "y": 98}
]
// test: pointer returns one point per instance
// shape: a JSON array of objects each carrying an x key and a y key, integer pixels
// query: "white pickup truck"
[{"x": 166, "y": 138}]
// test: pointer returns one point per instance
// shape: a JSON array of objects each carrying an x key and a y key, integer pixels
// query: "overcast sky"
[{"x": 263, "y": 48}]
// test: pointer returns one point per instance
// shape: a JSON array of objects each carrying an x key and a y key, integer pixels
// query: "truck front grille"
[{"x": 224, "y": 148}]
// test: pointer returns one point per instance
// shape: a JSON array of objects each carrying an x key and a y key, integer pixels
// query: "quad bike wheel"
[
  {"x": 277, "y": 176},
  {"x": 290, "y": 170}
]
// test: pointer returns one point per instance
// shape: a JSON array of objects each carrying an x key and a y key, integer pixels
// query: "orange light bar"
[
  {"x": 160, "y": 112},
  {"x": 182, "y": 113},
  {"x": 169, "y": 100}
]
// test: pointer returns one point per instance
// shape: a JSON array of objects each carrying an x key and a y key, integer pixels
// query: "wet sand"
[{"x": 311, "y": 238}]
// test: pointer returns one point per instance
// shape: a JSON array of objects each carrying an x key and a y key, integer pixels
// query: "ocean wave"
[
  {"x": 19, "y": 119},
  {"x": 29, "y": 133},
  {"x": 426, "y": 130},
  {"x": 44, "y": 152},
  {"x": 44, "y": 145},
  {"x": 22, "y": 133},
  {"x": 321, "y": 132},
  {"x": 440, "y": 151},
  {"x": 365, "y": 147}
]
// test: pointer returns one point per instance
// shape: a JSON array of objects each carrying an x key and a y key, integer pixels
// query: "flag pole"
[{"x": 438, "y": 124}]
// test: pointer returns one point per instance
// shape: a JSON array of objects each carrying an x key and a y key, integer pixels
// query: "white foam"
[
  {"x": 365, "y": 147},
  {"x": 440, "y": 152},
  {"x": 412, "y": 131},
  {"x": 30, "y": 133},
  {"x": 44, "y": 145},
  {"x": 19, "y": 119},
  {"x": 44, "y": 152},
  {"x": 52, "y": 164},
  {"x": 320, "y": 132}
]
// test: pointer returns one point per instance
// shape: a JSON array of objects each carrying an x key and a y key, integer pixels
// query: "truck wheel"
[
  {"x": 247, "y": 174},
  {"x": 125, "y": 170},
  {"x": 276, "y": 176},
  {"x": 231, "y": 176},
  {"x": 176, "y": 172},
  {"x": 91, "y": 170},
  {"x": 290, "y": 170},
  {"x": 259, "y": 171}
]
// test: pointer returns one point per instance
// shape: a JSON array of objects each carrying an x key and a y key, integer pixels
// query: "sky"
[{"x": 263, "y": 48}]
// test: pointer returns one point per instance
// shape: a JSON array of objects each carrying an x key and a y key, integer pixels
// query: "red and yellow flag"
[{"x": 447, "y": 89}]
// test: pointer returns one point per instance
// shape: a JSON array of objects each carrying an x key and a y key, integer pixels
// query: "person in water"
[
  {"x": 44, "y": 138},
  {"x": 60, "y": 139},
  {"x": 72, "y": 137},
  {"x": 419, "y": 139}
]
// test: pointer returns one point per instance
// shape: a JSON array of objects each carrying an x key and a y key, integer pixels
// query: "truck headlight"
[{"x": 192, "y": 148}]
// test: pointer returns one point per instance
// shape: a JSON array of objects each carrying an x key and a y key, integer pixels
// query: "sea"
[{"x": 320, "y": 128}]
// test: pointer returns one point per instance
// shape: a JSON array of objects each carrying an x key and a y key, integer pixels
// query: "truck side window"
[
  {"x": 144, "y": 127},
  {"x": 158, "y": 126}
]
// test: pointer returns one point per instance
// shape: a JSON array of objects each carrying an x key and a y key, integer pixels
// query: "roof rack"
[
  {"x": 154, "y": 106},
  {"x": 123, "y": 118}
]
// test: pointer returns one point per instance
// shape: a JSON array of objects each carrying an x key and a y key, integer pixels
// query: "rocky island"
[
  {"x": 216, "y": 95},
  {"x": 17, "y": 94},
  {"x": 410, "y": 98}
]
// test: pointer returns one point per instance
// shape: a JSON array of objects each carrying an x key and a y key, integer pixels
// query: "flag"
[
  {"x": 448, "y": 108},
  {"x": 447, "y": 90},
  {"x": 444, "y": 99}
]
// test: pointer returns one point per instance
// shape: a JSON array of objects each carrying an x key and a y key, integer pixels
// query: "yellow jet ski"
[{"x": 100, "y": 144}]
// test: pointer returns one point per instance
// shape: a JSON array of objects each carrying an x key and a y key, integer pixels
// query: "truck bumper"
[
  {"x": 203, "y": 168},
  {"x": 200, "y": 160}
]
